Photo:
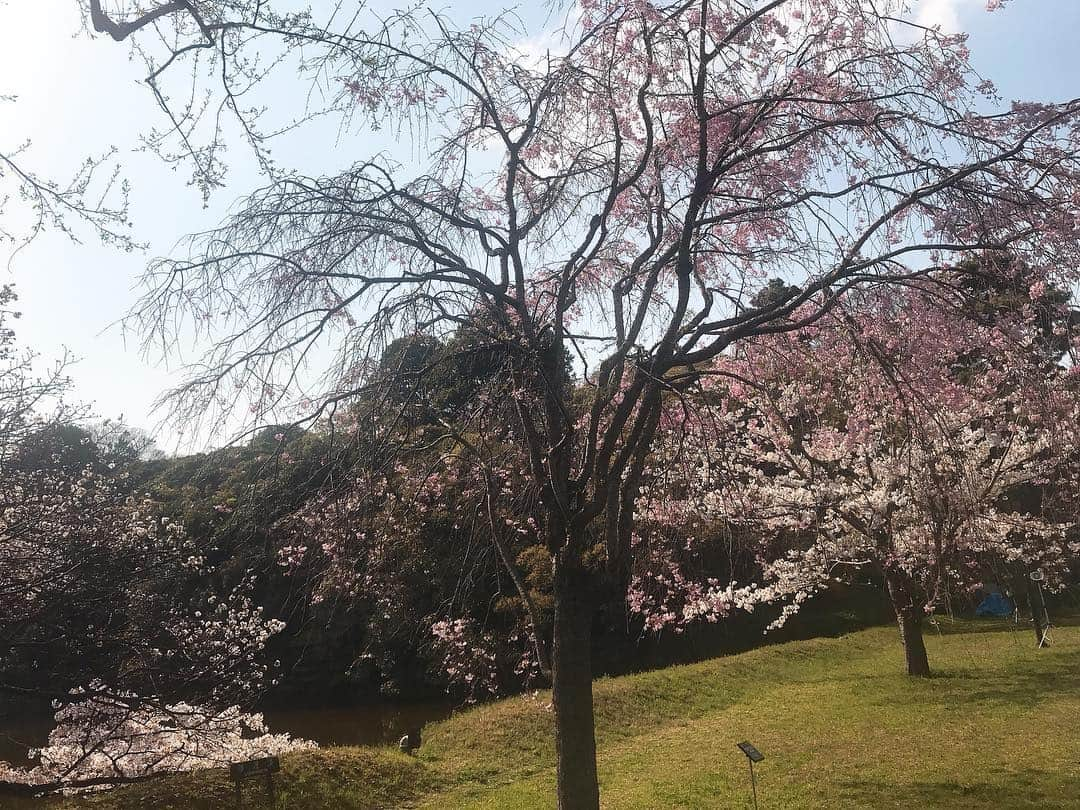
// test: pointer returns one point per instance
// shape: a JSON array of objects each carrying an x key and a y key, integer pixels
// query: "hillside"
[{"x": 837, "y": 722}]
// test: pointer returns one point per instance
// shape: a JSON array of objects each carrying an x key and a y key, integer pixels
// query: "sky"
[{"x": 79, "y": 95}]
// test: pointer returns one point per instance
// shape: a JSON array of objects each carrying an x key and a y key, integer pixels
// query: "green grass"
[{"x": 839, "y": 724}]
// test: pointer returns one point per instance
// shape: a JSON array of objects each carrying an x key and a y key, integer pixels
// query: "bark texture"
[
  {"x": 909, "y": 617},
  {"x": 575, "y": 737}
]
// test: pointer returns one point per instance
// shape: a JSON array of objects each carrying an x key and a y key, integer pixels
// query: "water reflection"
[
  {"x": 20, "y": 734},
  {"x": 352, "y": 725},
  {"x": 356, "y": 725}
]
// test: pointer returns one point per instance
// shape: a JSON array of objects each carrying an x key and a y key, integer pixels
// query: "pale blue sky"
[{"x": 79, "y": 96}]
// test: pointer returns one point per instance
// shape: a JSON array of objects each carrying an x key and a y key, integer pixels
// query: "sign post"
[{"x": 752, "y": 756}]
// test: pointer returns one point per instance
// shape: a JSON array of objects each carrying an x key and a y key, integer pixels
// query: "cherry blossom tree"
[
  {"x": 432, "y": 522},
  {"x": 897, "y": 436},
  {"x": 622, "y": 198},
  {"x": 107, "y": 607}
]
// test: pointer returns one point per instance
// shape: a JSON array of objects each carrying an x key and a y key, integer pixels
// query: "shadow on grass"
[
  {"x": 943, "y": 625},
  {"x": 1023, "y": 683},
  {"x": 1024, "y": 788},
  {"x": 1024, "y": 680}
]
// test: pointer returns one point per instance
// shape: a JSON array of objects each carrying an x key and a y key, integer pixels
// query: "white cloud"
[
  {"x": 553, "y": 40},
  {"x": 945, "y": 13}
]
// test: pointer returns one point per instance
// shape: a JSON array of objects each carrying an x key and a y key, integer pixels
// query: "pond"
[{"x": 375, "y": 724}]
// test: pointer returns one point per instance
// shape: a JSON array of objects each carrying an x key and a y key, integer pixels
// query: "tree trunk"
[
  {"x": 1038, "y": 611},
  {"x": 575, "y": 738},
  {"x": 909, "y": 617}
]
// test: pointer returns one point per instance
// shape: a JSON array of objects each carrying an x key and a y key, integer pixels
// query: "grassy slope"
[{"x": 838, "y": 723}]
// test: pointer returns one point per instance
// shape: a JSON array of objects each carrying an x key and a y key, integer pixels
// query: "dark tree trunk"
[
  {"x": 575, "y": 738},
  {"x": 909, "y": 617},
  {"x": 911, "y": 631},
  {"x": 1038, "y": 611}
]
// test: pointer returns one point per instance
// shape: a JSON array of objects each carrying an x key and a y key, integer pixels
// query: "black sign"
[
  {"x": 752, "y": 753},
  {"x": 254, "y": 767}
]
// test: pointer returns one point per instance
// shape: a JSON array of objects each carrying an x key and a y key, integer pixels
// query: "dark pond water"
[
  {"x": 356, "y": 725},
  {"x": 352, "y": 725},
  {"x": 16, "y": 735}
]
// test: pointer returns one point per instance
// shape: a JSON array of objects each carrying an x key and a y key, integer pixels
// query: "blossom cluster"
[
  {"x": 901, "y": 438},
  {"x": 103, "y": 735}
]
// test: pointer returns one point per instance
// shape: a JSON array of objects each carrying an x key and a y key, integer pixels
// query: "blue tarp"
[{"x": 994, "y": 605}]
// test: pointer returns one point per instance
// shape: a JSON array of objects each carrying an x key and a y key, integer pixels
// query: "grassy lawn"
[{"x": 839, "y": 725}]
